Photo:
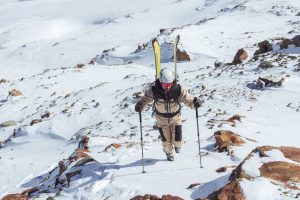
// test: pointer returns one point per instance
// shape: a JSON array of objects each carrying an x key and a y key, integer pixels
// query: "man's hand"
[
  {"x": 138, "y": 107},
  {"x": 197, "y": 102}
]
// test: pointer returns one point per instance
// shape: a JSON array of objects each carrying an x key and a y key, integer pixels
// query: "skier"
[{"x": 167, "y": 96}]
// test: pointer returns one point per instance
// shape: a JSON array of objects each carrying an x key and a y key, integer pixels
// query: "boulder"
[
  {"x": 239, "y": 57},
  {"x": 225, "y": 139},
  {"x": 296, "y": 40},
  {"x": 182, "y": 55},
  {"x": 285, "y": 43},
  {"x": 264, "y": 47},
  {"x": 15, "y": 93}
]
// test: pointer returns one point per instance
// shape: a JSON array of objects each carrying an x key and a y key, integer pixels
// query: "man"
[{"x": 167, "y": 96}]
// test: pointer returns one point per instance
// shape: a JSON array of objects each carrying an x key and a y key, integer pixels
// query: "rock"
[
  {"x": 79, "y": 66},
  {"x": 231, "y": 191},
  {"x": 233, "y": 118},
  {"x": 265, "y": 65},
  {"x": 21, "y": 196},
  {"x": 154, "y": 197},
  {"x": 239, "y": 57},
  {"x": 3, "y": 81},
  {"x": 298, "y": 14},
  {"x": 296, "y": 40},
  {"x": 8, "y": 123},
  {"x": 221, "y": 169},
  {"x": 193, "y": 185},
  {"x": 281, "y": 171},
  {"x": 15, "y": 93},
  {"x": 114, "y": 145},
  {"x": 146, "y": 197},
  {"x": 225, "y": 139},
  {"x": 93, "y": 61},
  {"x": 285, "y": 43},
  {"x": 46, "y": 115},
  {"x": 264, "y": 47},
  {"x": 35, "y": 121},
  {"x": 284, "y": 175},
  {"x": 182, "y": 55},
  {"x": 270, "y": 83}
]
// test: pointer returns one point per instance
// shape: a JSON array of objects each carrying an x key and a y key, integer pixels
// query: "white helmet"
[{"x": 166, "y": 76}]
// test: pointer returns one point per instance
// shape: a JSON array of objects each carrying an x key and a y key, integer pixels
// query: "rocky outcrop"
[
  {"x": 22, "y": 196},
  {"x": 284, "y": 44},
  {"x": 153, "y": 197},
  {"x": 281, "y": 172}
]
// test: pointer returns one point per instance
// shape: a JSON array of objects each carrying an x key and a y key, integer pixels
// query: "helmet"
[{"x": 166, "y": 76}]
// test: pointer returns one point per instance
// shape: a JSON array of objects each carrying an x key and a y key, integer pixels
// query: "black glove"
[
  {"x": 197, "y": 102},
  {"x": 138, "y": 106}
]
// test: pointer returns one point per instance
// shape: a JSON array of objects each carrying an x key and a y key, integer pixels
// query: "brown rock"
[
  {"x": 169, "y": 197},
  {"x": 221, "y": 169},
  {"x": 231, "y": 191},
  {"x": 3, "y": 81},
  {"x": 81, "y": 153},
  {"x": 46, "y": 115},
  {"x": 115, "y": 145},
  {"x": 35, "y": 121},
  {"x": 291, "y": 153},
  {"x": 21, "y": 196},
  {"x": 233, "y": 118},
  {"x": 239, "y": 57},
  {"x": 15, "y": 93},
  {"x": 225, "y": 139},
  {"x": 182, "y": 55},
  {"x": 264, "y": 47},
  {"x": 285, "y": 43},
  {"x": 281, "y": 171},
  {"x": 146, "y": 197}
]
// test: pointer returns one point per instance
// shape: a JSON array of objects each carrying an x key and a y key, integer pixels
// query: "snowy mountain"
[{"x": 72, "y": 71}]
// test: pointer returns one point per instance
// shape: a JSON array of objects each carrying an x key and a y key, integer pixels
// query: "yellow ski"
[
  {"x": 156, "y": 49},
  {"x": 175, "y": 56}
]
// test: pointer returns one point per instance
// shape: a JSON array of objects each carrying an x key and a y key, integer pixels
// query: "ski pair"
[{"x": 156, "y": 49}]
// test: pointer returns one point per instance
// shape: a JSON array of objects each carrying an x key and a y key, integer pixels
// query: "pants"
[{"x": 170, "y": 130}]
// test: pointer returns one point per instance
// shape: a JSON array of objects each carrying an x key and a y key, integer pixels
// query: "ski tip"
[{"x": 154, "y": 40}]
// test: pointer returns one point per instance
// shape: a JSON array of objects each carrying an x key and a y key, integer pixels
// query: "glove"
[
  {"x": 197, "y": 102},
  {"x": 138, "y": 107}
]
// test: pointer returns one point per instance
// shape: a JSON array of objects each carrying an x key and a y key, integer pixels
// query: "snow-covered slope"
[{"x": 41, "y": 43}]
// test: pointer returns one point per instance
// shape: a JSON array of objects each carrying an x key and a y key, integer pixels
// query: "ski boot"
[
  {"x": 170, "y": 156},
  {"x": 177, "y": 149}
]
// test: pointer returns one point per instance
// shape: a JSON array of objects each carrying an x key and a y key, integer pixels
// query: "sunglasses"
[{"x": 166, "y": 85}]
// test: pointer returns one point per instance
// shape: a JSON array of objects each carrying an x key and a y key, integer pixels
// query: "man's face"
[{"x": 166, "y": 86}]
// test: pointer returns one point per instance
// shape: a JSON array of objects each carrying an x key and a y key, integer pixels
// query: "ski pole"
[
  {"x": 198, "y": 137},
  {"x": 140, "y": 113}
]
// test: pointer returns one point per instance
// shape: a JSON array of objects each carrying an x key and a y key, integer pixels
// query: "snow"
[
  {"x": 268, "y": 192},
  {"x": 42, "y": 41}
]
